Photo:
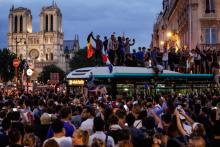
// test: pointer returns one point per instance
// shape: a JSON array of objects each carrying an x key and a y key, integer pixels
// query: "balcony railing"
[
  {"x": 212, "y": 46},
  {"x": 209, "y": 15}
]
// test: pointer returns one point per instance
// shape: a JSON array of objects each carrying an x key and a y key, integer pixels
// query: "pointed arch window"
[
  {"x": 46, "y": 24},
  {"x": 21, "y": 23},
  {"x": 46, "y": 57},
  {"x": 51, "y": 56},
  {"x": 16, "y": 24},
  {"x": 51, "y": 23}
]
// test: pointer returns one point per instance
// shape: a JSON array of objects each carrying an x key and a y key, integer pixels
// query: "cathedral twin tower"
[
  {"x": 20, "y": 20},
  {"x": 44, "y": 47}
]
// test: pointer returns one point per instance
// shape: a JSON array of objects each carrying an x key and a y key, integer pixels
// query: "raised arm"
[
  {"x": 131, "y": 44},
  {"x": 90, "y": 35},
  {"x": 189, "y": 119},
  {"x": 179, "y": 125},
  {"x": 156, "y": 118},
  {"x": 93, "y": 37}
]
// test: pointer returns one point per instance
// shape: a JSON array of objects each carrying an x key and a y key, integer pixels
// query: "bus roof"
[{"x": 118, "y": 71}]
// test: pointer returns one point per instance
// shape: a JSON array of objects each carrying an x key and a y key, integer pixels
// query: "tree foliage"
[
  {"x": 44, "y": 76},
  {"x": 80, "y": 60},
  {"x": 7, "y": 71}
]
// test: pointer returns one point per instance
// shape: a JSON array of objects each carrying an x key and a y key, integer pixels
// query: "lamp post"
[
  {"x": 29, "y": 73},
  {"x": 16, "y": 61}
]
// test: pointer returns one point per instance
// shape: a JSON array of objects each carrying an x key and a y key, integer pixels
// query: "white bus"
[{"x": 137, "y": 80}]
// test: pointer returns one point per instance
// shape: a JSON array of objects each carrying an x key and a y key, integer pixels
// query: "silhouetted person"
[{"x": 98, "y": 49}]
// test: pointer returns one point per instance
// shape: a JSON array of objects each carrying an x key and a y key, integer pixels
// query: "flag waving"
[
  {"x": 90, "y": 51},
  {"x": 106, "y": 61},
  {"x": 104, "y": 58}
]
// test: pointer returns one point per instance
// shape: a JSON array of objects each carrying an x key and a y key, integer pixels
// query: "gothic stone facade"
[{"x": 41, "y": 48}]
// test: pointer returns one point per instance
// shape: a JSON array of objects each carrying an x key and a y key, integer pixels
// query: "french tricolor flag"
[{"x": 105, "y": 60}]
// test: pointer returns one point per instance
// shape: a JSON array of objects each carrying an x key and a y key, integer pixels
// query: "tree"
[
  {"x": 80, "y": 60},
  {"x": 44, "y": 76},
  {"x": 7, "y": 71}
]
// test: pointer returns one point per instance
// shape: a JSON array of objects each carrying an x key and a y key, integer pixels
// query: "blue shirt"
[
  {"x": 69, "y": 129},
  {"x": 153, "y": 54},
  {"x": 159, "y": 110},
  {"x": 140, "y": 55}
]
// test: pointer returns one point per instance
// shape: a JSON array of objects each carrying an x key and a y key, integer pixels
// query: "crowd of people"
[
  {"x": 52, "y": 119},
  {"x": 184, "y": 60},
  {"x": 181, "y": 60},
  {"x": 55, "y": 119}
]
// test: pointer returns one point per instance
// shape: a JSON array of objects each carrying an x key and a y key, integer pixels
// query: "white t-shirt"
[
  {"x": 102, "y": 136},
  {"x": 192, "y": 57},
  {"x": 165, "y": 56},
  {"x": 62, "y": 141},
  {"x": 188, "y": 129},
  {"x": 87, "y": 125}
]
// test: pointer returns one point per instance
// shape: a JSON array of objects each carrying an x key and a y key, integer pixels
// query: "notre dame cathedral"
[{"x": 39, "y": 48}]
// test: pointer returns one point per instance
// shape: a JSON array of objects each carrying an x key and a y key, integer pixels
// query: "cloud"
[{"x": 134, "y": 17}]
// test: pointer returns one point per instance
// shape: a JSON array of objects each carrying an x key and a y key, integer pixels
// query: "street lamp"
[
  {"x": 16, "y": 61},
  {"x": 29, "y": 73},
  {"x": 169, "y": 34}
]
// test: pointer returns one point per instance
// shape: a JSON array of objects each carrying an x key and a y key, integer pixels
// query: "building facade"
[
  {"x": 71, "y": 46},
  {"x": 40, "y": 48},
  {"x": 188, "y": 23}
]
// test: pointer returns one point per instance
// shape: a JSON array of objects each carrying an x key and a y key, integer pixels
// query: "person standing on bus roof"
[
  {"x": 112, "y": 46},
  {"x": 105, "y": 43},
  {"x": 98, "y": 49},
  {"x": 128, "y": 45},
  {"x": 154, "y": 56}
]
